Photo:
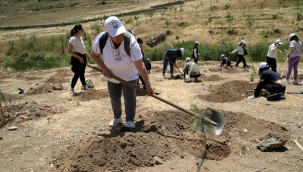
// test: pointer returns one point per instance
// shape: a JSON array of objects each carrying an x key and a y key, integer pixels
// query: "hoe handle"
[{"x": 154, "y": 96}]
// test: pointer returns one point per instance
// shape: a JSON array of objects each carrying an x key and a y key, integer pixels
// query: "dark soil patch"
[
  {"x": 29, "y": 111},
  {"x": 30, "y": 78},
  {"x": 4, "y": 75},
  {"x": 160, "y": 137},
  {"x": 45, "y": 88},
  {"x": 93, "y": 94},
  {"x": 230, "y": 91},
  {"x": 156, "y": 69},
  {"x": 213, "y": 78}
]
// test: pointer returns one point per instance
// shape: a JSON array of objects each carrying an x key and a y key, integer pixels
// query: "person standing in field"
[
  {"x": 195, "y": 53},
  {"x": 116, "y": 61},
  {"x": 241, "y": 49},
  {"x": 294, "y": 57},
  {"x": 170, "y": 56},
  {"x": 76, "y": 48},
  {"x": 272, "y": 54}
]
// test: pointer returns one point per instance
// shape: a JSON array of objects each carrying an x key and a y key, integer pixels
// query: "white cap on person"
[
  {"x": 263, "y": 65},
  {"x": 222, "y": 55},
  {"x": 291, "y": 35},
  {"x": 278, "y": 41},
  {"x": 197, "y": 42},
  {"x": 187, "y": 59},
  {"x": 113, "y": 26},
  {"x": 243, "y": 41},
  {"x": 182, "y": 50}
]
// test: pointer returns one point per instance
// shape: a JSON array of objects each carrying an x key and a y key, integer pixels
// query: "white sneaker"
[
  {"x": 251, "y": 97},
  {"x": 246, "y": 70},
  {"x": 296, "y": 82},
  {"x": 130, "y": 124},
  {"x": 163, "y": 75},
  {"x": 286, "y": 81},
  {"x": 73, "y": 93},
  {"x": 115, "y": 122}
]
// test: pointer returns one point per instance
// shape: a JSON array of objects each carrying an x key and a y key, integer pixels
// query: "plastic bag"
[{"x": 187, "y": 77}]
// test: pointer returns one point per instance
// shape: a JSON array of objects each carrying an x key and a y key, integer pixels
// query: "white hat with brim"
[
  {"x": 243, "y": 41},
  {"x": 263, "y": 65},
  {"x": 291, "y": 35},
  {"x": 113, "y": 26},
  {"x": 187, "y": 59},
  {"x": 197, "y": 42},
  {"x": 182, "y": 50},
  {"x": 278, "y": 41}
]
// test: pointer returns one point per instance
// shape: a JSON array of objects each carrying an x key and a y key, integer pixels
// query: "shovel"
[
  {"x": 175, "y": 66},
  {"x": 213, "y": 117}
]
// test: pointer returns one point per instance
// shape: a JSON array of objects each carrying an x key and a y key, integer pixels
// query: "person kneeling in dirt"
[
  {"x": 225, "y": 61},
  {"x": 269, "y": 80},
  {"x": 191, "y": 69}
]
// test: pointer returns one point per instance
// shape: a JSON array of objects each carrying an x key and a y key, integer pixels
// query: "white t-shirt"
[
  {"x": 117, "y": 60},
  {"x": 270, "y": 53},
  {"x": 297, "y": 48},
  {"x": 78, "y": 44}
]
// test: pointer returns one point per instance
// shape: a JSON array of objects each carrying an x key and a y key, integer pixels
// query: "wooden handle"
[
  {"x": 299, "y": 146},
  {"x": 153, "y": 95},
  {"x": 2, "y": 113}
]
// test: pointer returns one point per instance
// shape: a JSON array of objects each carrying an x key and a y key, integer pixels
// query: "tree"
[
  {"x": 151, "y": 14},
  {"x": 196, "y": 8},
  {"x": 250, "y": 21},
  {"x": 262, "y": 5},
  {"x": 229, "y": 19},
  {"x": 175, "y": 11},
  {"x": 167, "y": 22},
  {"x": 210, "y": 20},
  {"x": 136, "y": 19},
  {"x": 299, "y": 18},
  {"x": 146, "y": 15},
  {"x": 181, "y": 10}
]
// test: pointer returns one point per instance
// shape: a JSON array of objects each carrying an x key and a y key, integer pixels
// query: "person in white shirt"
[
  {"x": 117, "y": 62},
  {"x": 241, "y": 49},
  {"x": 272, "y": 54},
  {"x": 76, "y": 48}
]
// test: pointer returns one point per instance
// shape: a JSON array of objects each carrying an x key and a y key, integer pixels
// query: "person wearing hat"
[
  {"x": 225, "y": 61},
  {"x": 272, "y": 54},
  {"x": 191, "y": 69},
  {"x": 294, "y": 57},
  {"x": 195, "y": 53},
  {"x": 170, "y": 56},
  {"x": 117, "y": 62},
  {"x": 269, "y": 80},
  {"x": 241, "y": 49},
  {"x": 76, "y": 48}
]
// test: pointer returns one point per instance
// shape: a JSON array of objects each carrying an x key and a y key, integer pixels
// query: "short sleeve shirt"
[
  {"x": 270, "y": 53},
  {"x": 297, "y": 48},
  {"x": 78, "y": 44},
  {"x": 269, "y": 76},
  {"x": 117, "y": 60}
]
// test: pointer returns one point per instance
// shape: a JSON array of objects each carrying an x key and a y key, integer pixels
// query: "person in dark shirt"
[
  {"x": 269, "y": 80},
  {"x": 225, "y": 61}
]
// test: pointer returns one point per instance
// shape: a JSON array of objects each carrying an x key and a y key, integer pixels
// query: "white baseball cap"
[
  {"x": 113, "y": 26},
  {"x": 243, "y": 41},
  {"x": 188, "y": 59},
  {"x": 278, "y": 41},
  {"x": 263, "y": 65},
  {"x": 197, "y": 42},
  {"x": 291, "y": 35},
  {"x": 222, "y": 55},
  {"x": 182, "y": 50}
]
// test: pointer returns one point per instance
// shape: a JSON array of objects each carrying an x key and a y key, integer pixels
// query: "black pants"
[
  {"x": 79, "y": 71},
  {"x": 241, "y": 58},
  {"x": 192, "y": 76},
  {"x": 196, "y": 60},
  {"x": 272, "y": 63},
  {"x": 272, "y": 88}
]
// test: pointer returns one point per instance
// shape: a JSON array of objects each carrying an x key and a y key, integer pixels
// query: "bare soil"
[{"x": 59, "y": 132}]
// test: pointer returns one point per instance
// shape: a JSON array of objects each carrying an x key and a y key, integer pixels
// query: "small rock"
[
  {"x": 1, "y": 138},
  {"x": 12, "y": 128},
  {"x": 158, "y": 160},
  {"x": 245, "y": 130}
]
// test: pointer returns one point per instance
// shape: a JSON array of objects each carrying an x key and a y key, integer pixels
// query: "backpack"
[
  {"x": 147, "y": 65},
  {"x": 127, "y": 36}
]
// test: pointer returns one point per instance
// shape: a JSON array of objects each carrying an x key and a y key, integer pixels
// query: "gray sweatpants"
[{"x": 129, "y": 94}]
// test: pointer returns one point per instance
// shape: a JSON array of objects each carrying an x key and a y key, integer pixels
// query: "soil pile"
[
  {"x": 230, "y": 91},
  {"x": 93, "y": 94},
  {"x": 213, "y": 78},
  {"x": 160, "y": 137},
  {"x": 44, "y": 88}
]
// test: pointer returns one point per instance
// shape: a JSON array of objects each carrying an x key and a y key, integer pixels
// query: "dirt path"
[{"x": 58, "y": 132}]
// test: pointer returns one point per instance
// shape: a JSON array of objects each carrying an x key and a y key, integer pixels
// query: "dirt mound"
[
  {"x": 45, "y": 88},
  {"x": 93, "y": 94},
  {"x": 58, "y": 78},
  {"x": 213, "y": 78},
  {"x": 30, "y": 111},
  {"x": 162, "y": 136},
  {"x": 230, "y": 91}
]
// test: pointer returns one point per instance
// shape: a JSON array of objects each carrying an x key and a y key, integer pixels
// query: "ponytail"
[{"x": 75, "y": 29}]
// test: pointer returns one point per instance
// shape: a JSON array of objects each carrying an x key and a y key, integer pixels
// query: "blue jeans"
[
  {"x": 171, "y": 65},
  {"x": 129, "y": 94}
]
